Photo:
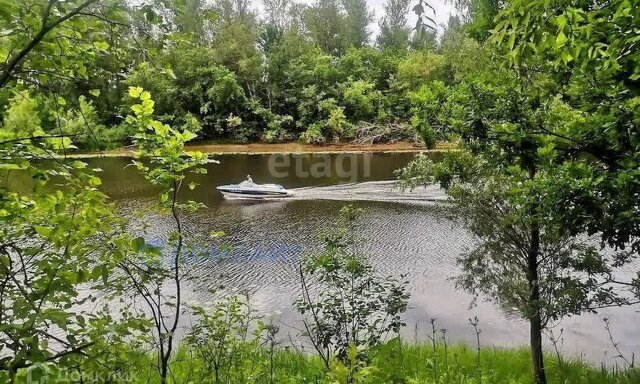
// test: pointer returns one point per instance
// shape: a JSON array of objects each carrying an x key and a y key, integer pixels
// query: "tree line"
[{"x": 297, "y": 72}]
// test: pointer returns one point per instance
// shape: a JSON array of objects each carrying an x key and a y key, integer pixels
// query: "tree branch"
[{"x": 46, "y": 28}]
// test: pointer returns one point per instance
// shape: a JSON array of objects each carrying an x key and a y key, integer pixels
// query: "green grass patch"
[{"x": 394, "y": 362}]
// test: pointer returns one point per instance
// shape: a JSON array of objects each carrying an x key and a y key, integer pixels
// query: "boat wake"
[{"x": 384, "y": 191}]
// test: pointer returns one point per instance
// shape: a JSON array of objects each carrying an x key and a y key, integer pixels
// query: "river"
[{"x": 406, "y": 234}]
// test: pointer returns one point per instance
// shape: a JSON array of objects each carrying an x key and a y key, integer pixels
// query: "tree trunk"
[
  {"x": 537, "y": 359},
  {"x": 535, "y": 321},
  {"x": 164, "y": 371}
]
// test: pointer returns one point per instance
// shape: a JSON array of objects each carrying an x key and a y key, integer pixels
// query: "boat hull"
[{"x": 239, "y": 193}]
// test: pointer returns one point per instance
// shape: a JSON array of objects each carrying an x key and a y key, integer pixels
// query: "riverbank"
[
  {"x": 394, "y": 362},
  {"x": 281, "y": 148}
]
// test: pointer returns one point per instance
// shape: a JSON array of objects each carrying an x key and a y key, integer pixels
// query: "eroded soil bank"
[{"x": 284, "y": 148}]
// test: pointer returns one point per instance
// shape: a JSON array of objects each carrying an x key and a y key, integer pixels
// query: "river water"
[{"x": 406, "y": 234}]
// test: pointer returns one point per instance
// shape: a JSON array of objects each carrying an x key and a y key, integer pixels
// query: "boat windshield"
[{"x": 247, "y": 183}]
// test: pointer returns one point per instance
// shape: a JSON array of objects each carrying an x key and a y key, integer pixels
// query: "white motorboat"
[{"x": 250, "y": 190}]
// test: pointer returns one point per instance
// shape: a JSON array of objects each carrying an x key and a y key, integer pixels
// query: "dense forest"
[
  {"x": 540, "y": 100},
  {"x": 297, "y": 72}
]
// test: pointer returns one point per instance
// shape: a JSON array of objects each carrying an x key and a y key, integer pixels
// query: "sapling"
[
  {"x": 162, "y": 159},
  {"x": 347, "y": 306}
]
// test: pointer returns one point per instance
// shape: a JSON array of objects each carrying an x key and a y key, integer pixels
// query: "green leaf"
[
  {"x": 95, "y": 181},
  {"x": 137, "y": 244},
  {"x": 10, "y": 166},
  {"x": 561, "y": 21},
  {"x": 101, "y": 45},
  {"x": 561, "y": 39},
  {"x": 148, "y": 105},
  {"x": 145, "y": 96},
  {"x": 135, "y": 92},
  {"x": 95, "y": 92}
]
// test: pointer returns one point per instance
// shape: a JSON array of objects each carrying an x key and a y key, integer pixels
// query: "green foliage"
[
  {"x": 394, "y": 32},
  {"x": 556, "y": 127},
  {"x": 221, "y": 60},
  {"x": 597, "y": 38},
  {"x": 163, "y": 145},
  {"x": 83, "y": 125},
  {"x": 478, "y": 16},
  {"x": 337, "y": 123},
  {"x": 191, "y": 124},
  {"x": 276, "y": 124},
  {"x": 531, "y": 267},
  {"x": 22, "y": 117},
  {"x": 313, "y": 134},
  {"x": 60, "y": 243},
  {"x": 427, "y": 108},
  {"x": 590, "y": 51},
  {"x": 226, "y": 337},
  {"x": 204, "y": 61},
  {"x": 161, "y": 83},
  {"x": 394, "y": 362},
  {"x": 166, "y": 166},
  {"x": 353, "y": 308},
  {"x": 66, "y": 53},
  {"x": 546, "y": 131},
  {"x": 361, "y": 99},
  {"x": 234, "y": 47},
  {"x": 49, "y": 45},
  {"x": 48, "y": 254},
  {"x": 419, "y": 67},
  {"x": 369, "y": 65},
  {"x": 358, "y": 18},
  {"x": 327, "y": 26}
]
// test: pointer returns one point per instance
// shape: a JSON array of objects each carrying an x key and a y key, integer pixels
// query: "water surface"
[{"x": 403, "y": 234}]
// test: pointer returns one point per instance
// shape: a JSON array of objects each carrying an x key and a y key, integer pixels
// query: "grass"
[{"x": 393, "y": 363}]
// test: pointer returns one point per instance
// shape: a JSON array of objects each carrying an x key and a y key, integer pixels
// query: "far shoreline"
[{"x": 291, "y": 148}]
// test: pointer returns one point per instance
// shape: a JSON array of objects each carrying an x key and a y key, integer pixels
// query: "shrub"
[
  {"x": 420, "y": 67},
  {"x": 313, "y": 134},
  {"x": 352, "y": 309},
  {"x": 427, "y": 106},
  {"x": 361, "y": 99},
  {"x": 191, "y": 123},
  {"x": 22, "y": 116},
  {"x": 338, "y": 124},
  {"x": 222, "y": 341}
]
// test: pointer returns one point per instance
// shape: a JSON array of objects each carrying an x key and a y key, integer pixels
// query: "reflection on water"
[{"x": 401, "y": 233}]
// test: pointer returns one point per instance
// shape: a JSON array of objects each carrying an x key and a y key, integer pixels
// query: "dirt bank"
[{"x": 284, "y": 148}]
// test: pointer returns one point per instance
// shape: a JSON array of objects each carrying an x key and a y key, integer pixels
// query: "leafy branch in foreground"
[
  {"x": 159, "y": 281},
  {"x": 60, "y": 242},
  {"x": 593, "y": 119},
  {"x": 52, "y": 42}
]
